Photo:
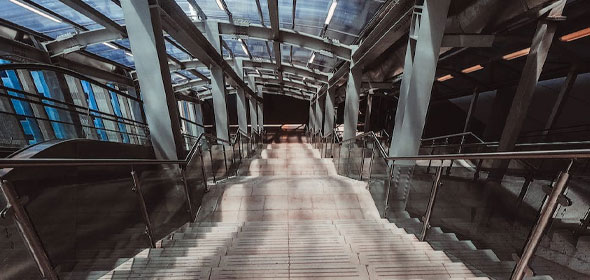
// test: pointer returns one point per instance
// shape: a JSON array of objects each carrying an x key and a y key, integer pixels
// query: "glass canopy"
[{"x": 56, "y": 20}]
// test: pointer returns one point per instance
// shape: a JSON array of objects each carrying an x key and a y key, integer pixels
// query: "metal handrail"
[
  {"x": 547, "y": 154},
  {"x": 496, "y": 144}
]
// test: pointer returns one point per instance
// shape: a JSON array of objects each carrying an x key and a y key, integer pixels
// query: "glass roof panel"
[
  {"x": 286, "y": 13},
  {"x": 257, "y": 48},
  {"x": 351, "y": 17},
  {"x": 244, "y": 10},
  {"x": 40, "y": 22},
  {"x": 119, "y": 56},
  {"x": 108, "y": 8},
  {"x": 310, "y": 15},
  {"x": 235, "y": 45},
  {"x": 69, "y": 13},
  {"x": 209, "y": 7},
  {"x": 176, "y": 52}
]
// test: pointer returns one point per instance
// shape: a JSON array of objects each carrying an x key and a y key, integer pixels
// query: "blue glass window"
[
  {"x": 92, "y": 105},
  {"x": 52, "y": 113},
  {"x": 23, "y": 108},
  {"x": 117, "y": 110}
]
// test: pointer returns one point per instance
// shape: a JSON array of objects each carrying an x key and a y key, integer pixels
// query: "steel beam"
[
  {"x": 288, "y": 83},
  {"x": 96, "y": 16},
  {"x": 468, "y": 40},
  {"x": 324, "y": 46},
  {"x": 562, "y": 96},
  {"x": 190, "y": 84},
  {"x": 160, "y": 105},
  {"x": 182, "y": 29}
]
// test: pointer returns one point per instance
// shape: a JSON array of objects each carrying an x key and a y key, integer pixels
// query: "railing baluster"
[
  {"x": 388, "y": 190},
  {"x": 363, "y": 158},
  {"x": 187, "y": 193},
  {"x": 225, "y": 161},
  {"x": 203, "y": 168},
  {"x": 433, "y": 192},
  {"x": 27, "y": 231},
  {"x": 213, "y": 171},
  {"x": 143, "y": 208},
  {"x": 537, "y": 232}
]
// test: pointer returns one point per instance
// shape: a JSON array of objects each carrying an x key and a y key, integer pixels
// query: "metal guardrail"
[
  {"x": 15, "y": 205},
  {"x": 545, "y": 214}
]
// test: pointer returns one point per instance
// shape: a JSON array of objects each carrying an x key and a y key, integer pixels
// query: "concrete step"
[{"x": 293, "y": 271}]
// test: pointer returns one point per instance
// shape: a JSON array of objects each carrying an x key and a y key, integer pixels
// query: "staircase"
[{"x": 288, "y": 215}]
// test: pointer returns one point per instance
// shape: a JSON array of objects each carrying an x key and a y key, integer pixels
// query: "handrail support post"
[
  {"x": 435, "y": 185},
  {"x": 143, "y": 208},
  {"x": 27, "y": 231},
  {"x": 545, "y": 217}
]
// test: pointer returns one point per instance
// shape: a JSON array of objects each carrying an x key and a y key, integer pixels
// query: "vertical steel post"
[
  {"x": 143, "y": 208},
  {"x": 430, "y": 161},
  {"x": 225, "y": 161},
  {"x": 203, "y": 168},
  {"x": 433, "y": 192},
  {"x": 27, "y": 231},
  {"x": 388, "y": 190},
  {"x": 477, "y": 170},
  {"x": 371, "y": 163},
  {"x": 187, "y": 194},
  {"x": 537, "y": 232},
  {"x": 213, "y": 172},
  {"x": 363, "y": 158}
]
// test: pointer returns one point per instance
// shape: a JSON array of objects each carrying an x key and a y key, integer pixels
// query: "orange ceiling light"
[
  {"x": 517, "y": 54},
  {"x": 445, "y": 78},
  {"x": 472, "y": 69},
  {"x": 575, "y": 35}
]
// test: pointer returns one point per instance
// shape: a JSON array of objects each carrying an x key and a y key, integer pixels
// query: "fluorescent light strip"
[
  {"x": 517, "y": 54},
  {"x": 312, "y": 58},
  {"x": 331, "y": 12},
  {"x": 220, "y": 5},
  {"x": 472, "y": 69},
  {"x": 575, "y": 35},
  {"x": 36, "y": 11},
  {"x": 445, "y": 78},
  {"x": 110, "y": 45}
]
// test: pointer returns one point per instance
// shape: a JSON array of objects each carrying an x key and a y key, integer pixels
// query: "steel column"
[
  {"x": 319, "y": 115},
  {"x": 367, "y": 127},
  {"x": 329, "y": 111},
  {"x": 260, "y": 111},
  {"x": 427, "y": 31},
  {"x": 526, "y": 87},
  {"x": 147, "y": 44},
  {"x": 351, "y": 105}
]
